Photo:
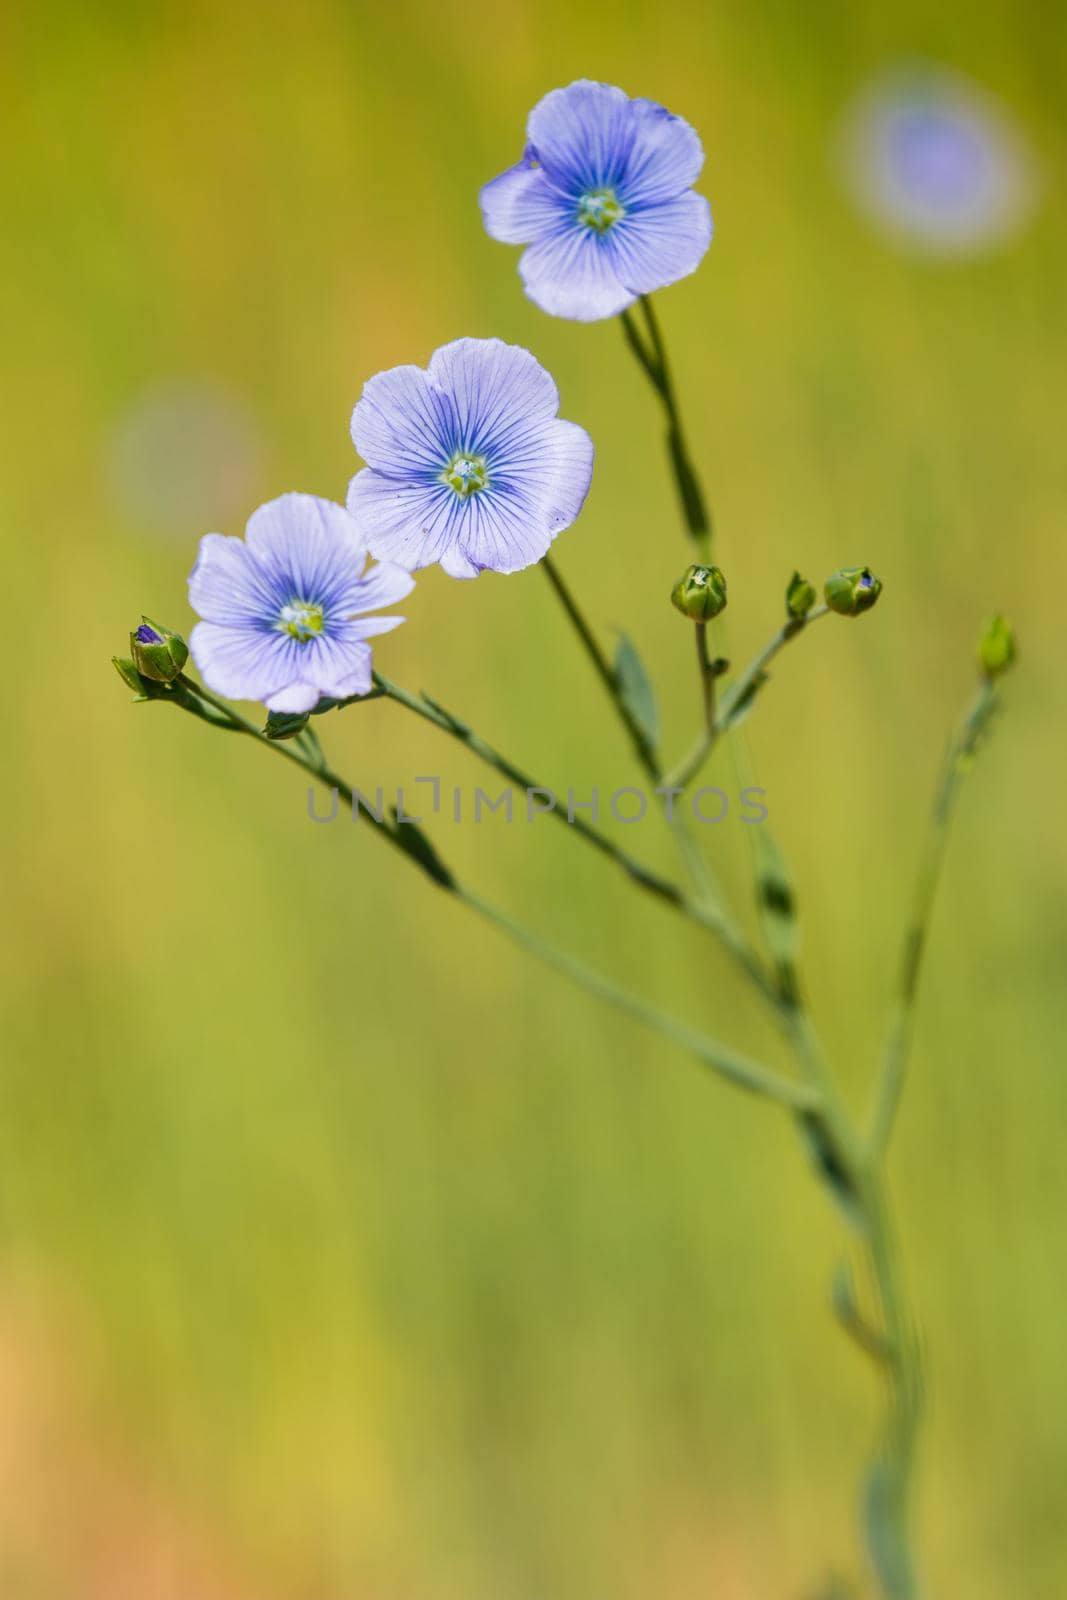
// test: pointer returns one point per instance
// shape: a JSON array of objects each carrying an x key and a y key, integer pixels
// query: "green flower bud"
[
  {"x": 285, "y": 724},
  {"x": 800, "y": 596},
  {"x": 997, "y": 649},
  {"x": 157, "y": 653},
  {"x": 852, "y": 591},
  {"x": 700, "y": 593}
]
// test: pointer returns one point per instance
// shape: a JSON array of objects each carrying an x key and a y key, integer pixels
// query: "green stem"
[
  {"x": 653, "y": 360},
  {"x": 713, "y": 912},
  {"x": 744, "y": 1074},
  {"x": 890, "y": 1484},
  {"x": 842, "y": 1164},
  {"x": 895, "y": 1062},
  {"x": 738, "y": 693},
  {"x": 432, "y": 712},
  {"x": 734, "y": 1068},
  {"x": 704, "y": 911},
  {"x": 642, "y": 749},
  {"x": 707, "y": 678}
]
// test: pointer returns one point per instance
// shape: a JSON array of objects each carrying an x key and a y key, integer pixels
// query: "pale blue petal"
[
  {"x": 370, "y": 627},
  {"x": 522, "y": 205},
  {"x": 402, "y": 423},
  {"x": 241, "y": 663},
  {"x": 664, "y": 156},
  {"x": 296, "y": 697},
  {"x": 582, "y": 134},
  {"x": 571, "y": 274},
  {"x": 655, "y": 247},
  {"x": 227, "y": 584},
  {"x": 383, "y": 585},
  {"x": 496, "y": 390},
  {"x": 409, "y": 523},
  {"x": 338, "y": 665},
  {"x": 309, "y": 544}
]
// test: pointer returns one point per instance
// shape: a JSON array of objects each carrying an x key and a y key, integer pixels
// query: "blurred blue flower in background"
[
  {"x": 185, "y": 454},
  {"x": 933, "y": 159}
]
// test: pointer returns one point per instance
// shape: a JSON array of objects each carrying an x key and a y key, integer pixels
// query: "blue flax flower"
[
  {"x": 603, "y": 200},
  {"x": 468, "y": 463},
  {"x": 283, "y": 606}
]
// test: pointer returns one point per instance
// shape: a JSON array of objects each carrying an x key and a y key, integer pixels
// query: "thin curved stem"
[
  {"x": 705, "y": 910},
  {"x": 712, "y": 913},
  {"x": 895, "y": 1062},
  {"x": 891, "y": 1480},
  {"x": 736, "y": 696},
  {"x": 726, "y": 1063},
  {"x": 653, "y": 359},
  {"x": 706, "y": 671},
  {"x": 601, "y": 665}
]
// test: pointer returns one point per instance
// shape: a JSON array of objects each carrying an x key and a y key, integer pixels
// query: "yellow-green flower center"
[
  {"x": 466, "y": 474},
  {"x": 301, "y": 620},
  {"x": 600, "y": 209}
]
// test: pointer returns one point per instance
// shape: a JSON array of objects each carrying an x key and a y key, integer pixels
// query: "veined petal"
[
  {"x": 338, "y": 664},
  {"x": 370, "y": 627},
  {"x": 308, "y": 545},
  {"x": 539, "y": 494},
  {"x": 665, "y": 155},
  {"x": 297, "y": 697},
  {"x": 654, "y": 247},
  {"x": 402, "y": 423},
  {"x": 521, "y": 205},
  {"x": 226, "y": 583},
  {"x": 572, "y": 274},
  {"x": 241, "y": 663},
  {"x": 497, "y": 390},
  {"x": 406, "y": 523},
  {"x": 502, "y": 532},
  {"x": 383, "y": 585},
  {"x": 582, "y": 134}
]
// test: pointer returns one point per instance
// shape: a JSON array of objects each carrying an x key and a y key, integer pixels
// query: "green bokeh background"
[{"x": 345, "y": 1253}]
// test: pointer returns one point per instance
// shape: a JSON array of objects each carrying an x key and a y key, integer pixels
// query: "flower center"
[
  {"x": 600, "y": 209},
  {"x": 301, "y": 620},
  {"x": 466, "y": 474}
]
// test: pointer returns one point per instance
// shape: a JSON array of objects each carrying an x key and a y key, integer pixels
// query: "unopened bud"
[
  {"x": 157, "y": 653},
  {"x": 800, "y": 596},
  {"x": 997, "y": 649},
  {"x": 852, "y": 591},
  {"x": 700, "y": 593}
]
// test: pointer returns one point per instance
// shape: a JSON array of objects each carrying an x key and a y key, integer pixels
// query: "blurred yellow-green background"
[{"x": 346, "y": 1255}]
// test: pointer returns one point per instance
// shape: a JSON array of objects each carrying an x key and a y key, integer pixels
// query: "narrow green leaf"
[
  {"x": 777, "y": 906},
  {"x": 415, "y": 844},
  {"x": 635, "y": 690},
  {"x": 738, "y": 707}
]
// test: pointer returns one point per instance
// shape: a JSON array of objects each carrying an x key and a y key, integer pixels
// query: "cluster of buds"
[{"x": 700, "y": 593}]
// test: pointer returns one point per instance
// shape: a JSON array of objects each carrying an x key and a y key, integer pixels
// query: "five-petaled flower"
[
  {"x": 469, "y": 464},
  {"x": 603, "y": 200},
  {"x": 283, "y": 607}
]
